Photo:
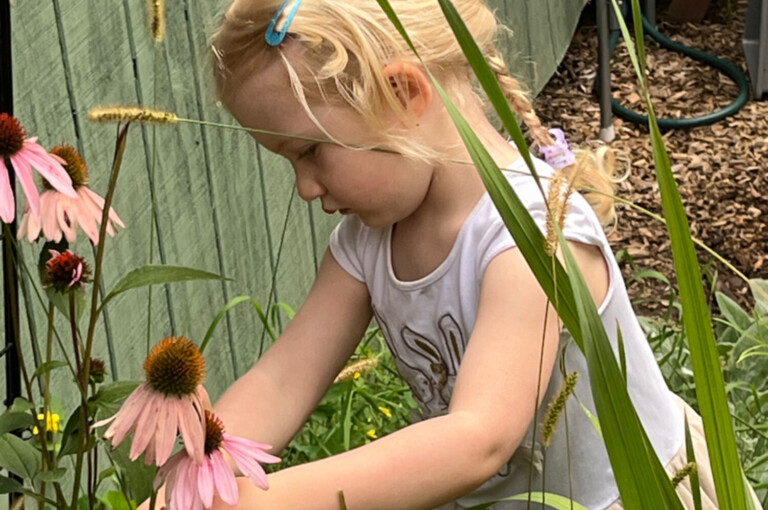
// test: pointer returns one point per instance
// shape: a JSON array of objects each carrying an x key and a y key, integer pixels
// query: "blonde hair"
[{"x": 345, "y": 46}]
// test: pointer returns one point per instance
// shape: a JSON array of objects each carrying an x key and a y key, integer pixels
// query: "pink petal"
[
  {"x": 192, "y": 429},
  {"x": 24, "y": 173},
  {"x": 49, "y": 219},
  {"x": 48, "y": 167},
  {"x": 257, "y": 450},
  {"x": 65, "y": 212},
  {"x": 30, "y": 225},
  {"x": 145, "y": 426},
  {"x": 76, "y": 274},
  {"x": 181, "y": 487},
  {"x": 88, "y": 215},
  {"x": 7, "y": 204},
  {"x": 205, "y": 485},
  {"x": 149, "y": 452},
  {"x": 100, "y": 202},
  {"x": 126, "y": 417},
  {"x": 167, "y": 469},
  {"x": 226, "y": 485},
  {"x": 166, "y": 434},
  {"x": 246, "y": 462}
]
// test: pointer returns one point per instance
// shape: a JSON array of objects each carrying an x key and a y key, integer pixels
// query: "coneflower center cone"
[
  {"x": 175, "y": 366},
  {"x": 74, "y": 165},
  {"x": 214, "y": 433},
  {"x": 12, "y": 135}
]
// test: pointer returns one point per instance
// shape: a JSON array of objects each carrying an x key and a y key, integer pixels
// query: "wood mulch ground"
[{"x": 720, "y": 169}]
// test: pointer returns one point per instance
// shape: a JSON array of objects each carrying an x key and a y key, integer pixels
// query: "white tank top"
[{"x": 428, "y": 322}]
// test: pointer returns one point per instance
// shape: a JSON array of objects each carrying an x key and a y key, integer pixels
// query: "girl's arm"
[
  {"x": 438, "y": 460},
  {"x": 274, "y": 398}
]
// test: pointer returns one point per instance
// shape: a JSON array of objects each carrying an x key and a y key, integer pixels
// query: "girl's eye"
[{"x": 309, "y": 151}]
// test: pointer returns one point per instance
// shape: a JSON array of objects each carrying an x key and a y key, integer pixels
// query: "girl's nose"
[{"x": 308, "y": 187}]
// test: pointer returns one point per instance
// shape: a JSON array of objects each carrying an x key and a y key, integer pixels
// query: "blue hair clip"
[{"x": 274, "y": 38}]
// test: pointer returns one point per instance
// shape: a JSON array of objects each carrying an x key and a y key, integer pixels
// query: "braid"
[
  {"x": 593, "y": 169},
  {"x": 519, "y": 100}
]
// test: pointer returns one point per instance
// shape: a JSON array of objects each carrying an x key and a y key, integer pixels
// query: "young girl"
[{"x": 423, "y": 250}]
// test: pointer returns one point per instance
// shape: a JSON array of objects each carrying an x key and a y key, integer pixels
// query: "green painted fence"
[{"x": 223, "y": 203}]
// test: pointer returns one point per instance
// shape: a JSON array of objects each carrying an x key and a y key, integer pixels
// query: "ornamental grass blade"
[
  {"x": 710, "y": 386},
  {"x": 642, "y": 480},
  {"x": 220, "y": 315}
]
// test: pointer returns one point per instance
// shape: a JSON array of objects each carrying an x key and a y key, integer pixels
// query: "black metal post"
[
  {"x": 10, "y": 280},
  {"x": 607, "y": 132},
  {"x": 10, "y": 272}
]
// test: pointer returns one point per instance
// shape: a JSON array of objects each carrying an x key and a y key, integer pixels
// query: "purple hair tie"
[{"x": 558, "y": 155}]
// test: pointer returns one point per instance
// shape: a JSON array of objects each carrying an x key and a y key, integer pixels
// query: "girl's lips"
[{"x": 345, "y": 211}]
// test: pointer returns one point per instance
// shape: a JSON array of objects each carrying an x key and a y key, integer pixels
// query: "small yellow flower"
[
  {"x": 358, "y": 375},
  {"x": 51, "y": 424},
  {"x": 385, "y": 411},
  {"x": 372, "y": 434}
]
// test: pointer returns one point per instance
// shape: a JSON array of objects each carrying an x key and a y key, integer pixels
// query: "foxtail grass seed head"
[
  {"x": 12, "y": 135},
  {"x": 175, "y": 366},
  {"x": 73, "y": 164},
  {"x": 557, "y": 406},
  {"x": 687, "y": 470},
  {"x": 64, "y": 270},
  {"x": 559, "y": 191},
  {"x": 157, "y": 20},
  {"x": 356, "y": 369},
  {"x": 214, "y": 433},
  {"x": 138, "y": 114}
]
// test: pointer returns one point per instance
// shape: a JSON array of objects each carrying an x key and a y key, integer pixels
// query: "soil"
[{"x": 720, "y": 169}]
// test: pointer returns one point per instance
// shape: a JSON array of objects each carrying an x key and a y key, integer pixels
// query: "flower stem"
[{"x": 82, "y": 435}]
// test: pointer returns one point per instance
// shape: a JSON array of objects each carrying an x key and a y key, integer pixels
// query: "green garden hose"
[{"x": 726, "y": 67}]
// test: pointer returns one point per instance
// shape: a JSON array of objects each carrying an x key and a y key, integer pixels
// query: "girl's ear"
[{"x": 411, "y": 86}]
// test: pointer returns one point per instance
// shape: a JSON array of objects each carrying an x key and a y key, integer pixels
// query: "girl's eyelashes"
[{"x": 309, "y": 151}]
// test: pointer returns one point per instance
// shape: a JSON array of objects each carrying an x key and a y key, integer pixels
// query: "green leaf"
[
  {"x": 70, "y": 434},
  {"x": 551, "y": 500},
  {"x": 48, "y": 366},
  {"x": 51, "y": 476},
  {"x": 20, "y": 405},
  {"x": 116, "y": 501},
  {"x": 8, "y": 485},
  {"x": 135, "y": 477},
  {"x": 18, "y": 456},
  {"x": 12, "y": 420},
  {"x": 733, "y": 312},
  {"x": 113, "y": 393},
  {"x": 760, "y": 292},
  {"x": 153, "y": 275},
  {"x": 220, "y": 315}
]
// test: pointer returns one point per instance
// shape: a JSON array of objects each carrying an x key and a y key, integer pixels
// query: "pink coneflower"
[
  {"x": 64, "y": 270},
  {"x": 191, "y": 486},
  {"x": 24, "y": 155},
  {"x": 60, "y": 214},
  {"x": 171, "y": 400}
]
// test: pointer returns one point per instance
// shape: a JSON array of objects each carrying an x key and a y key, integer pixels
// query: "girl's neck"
[{"x": 422, "y": 241}]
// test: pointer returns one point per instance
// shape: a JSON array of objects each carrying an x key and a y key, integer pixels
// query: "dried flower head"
[
  {"x": 559, "y": 191},
  {"x": 65, "y": 269},
  {"x": 557, "y": 406},
  {"x": 131, "y": 114},
  {"x": 175, "y": 366},
  {"x": 157, "y": 19},
  {"x": 98, "y": 370}
]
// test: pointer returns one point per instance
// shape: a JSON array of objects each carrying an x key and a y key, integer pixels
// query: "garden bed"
[{"x": 720, "y": 168}]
